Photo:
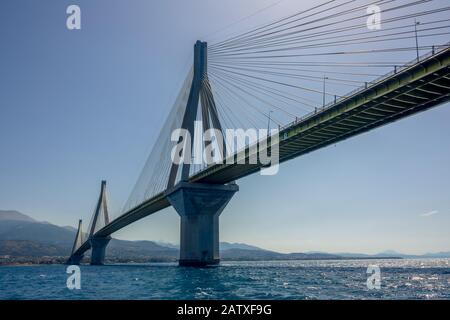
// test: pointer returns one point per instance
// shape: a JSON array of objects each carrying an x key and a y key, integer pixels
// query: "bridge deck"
[{"x": 414, "y": 89}]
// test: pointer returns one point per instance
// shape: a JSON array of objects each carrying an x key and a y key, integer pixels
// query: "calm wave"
[{"x": 400, "y": 279}]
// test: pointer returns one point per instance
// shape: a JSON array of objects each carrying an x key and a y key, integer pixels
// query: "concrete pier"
[
  {"x": 98, "y": 250},
  {"x": 199, "y": 206}
]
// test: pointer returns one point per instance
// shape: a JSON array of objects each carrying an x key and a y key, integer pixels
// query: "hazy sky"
[{"x": 77, "y": 107}]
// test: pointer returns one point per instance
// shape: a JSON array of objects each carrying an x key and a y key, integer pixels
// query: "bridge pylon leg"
[
  {"x": 199, "y": 206},
  {"x": 98, "y": 251},
  {"x": 75, "y": 260}
]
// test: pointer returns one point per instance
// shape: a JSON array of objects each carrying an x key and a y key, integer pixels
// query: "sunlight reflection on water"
[{"x": 400, "y": 279}]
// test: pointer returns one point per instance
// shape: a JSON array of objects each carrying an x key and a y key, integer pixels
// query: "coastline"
[{"x": 62, "y": 261}]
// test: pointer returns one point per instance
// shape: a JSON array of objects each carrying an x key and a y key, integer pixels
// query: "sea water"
[{"x": 399, "y": 279}]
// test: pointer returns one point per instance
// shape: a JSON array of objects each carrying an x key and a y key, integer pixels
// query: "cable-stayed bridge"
[{"x": 292, "y": 77}]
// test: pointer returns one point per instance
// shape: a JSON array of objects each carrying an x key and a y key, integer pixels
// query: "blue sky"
[{"x": 77, "y": 107}]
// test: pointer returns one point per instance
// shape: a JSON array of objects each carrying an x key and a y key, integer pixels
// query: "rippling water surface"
[{"x": 400, "y": 279}]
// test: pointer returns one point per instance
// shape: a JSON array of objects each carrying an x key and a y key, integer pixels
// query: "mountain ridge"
[
  {"x": 21, "y": 235},
  {"x": 14, "y": 215}
]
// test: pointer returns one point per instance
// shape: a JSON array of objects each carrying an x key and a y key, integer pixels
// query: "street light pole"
[
  {"x": 416, "y": 23},
  {"x": 268, "y": 124},
  {"x": 324, "y": 87}
]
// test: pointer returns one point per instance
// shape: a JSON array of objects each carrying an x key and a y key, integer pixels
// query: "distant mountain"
[
  {"x": 27, "y": 237},
  {"x": 314, "y": 256},
  {"x": 395, "y": 254},
  {"x": 223, "y": 246},
  {"x": 241, "y": 246},
  {"x": 168, "y": 244},
  {"x": 22, "y": 236},
  {"x": 245, "y": 254},
  {"x": 390, "y": 253},
  {"x": 149, "y": 250},
  {"x": 70, "y": 228},
  {"x": 26, "y": 248},
  {"x": 438, "y": 255},
  {"x": 260, "y": 254},
  {"x": 14, "y": 215},
  {"x": 241, "y": 251},
  {"x": 36, "y": 231}
]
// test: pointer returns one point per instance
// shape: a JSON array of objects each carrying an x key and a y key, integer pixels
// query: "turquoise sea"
[{"x": 400, "y": 279}]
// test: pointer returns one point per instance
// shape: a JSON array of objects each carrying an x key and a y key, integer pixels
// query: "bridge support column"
[
  {"x": 75, "y": 260},
  {"x": 98, "y": 250},
  {"x": 199, "y": 206}
]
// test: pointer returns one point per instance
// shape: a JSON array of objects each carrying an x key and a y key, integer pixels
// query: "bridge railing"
[{"x": 435, "y": 50}]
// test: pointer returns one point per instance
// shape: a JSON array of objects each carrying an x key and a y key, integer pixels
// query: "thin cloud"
[{"x": 429, "y": 214}]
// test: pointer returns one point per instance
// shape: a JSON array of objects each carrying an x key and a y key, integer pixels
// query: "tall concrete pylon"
[
  {"x": 200, "y": 91},
  {"x": 199, "y": 205},
  {"x": 98, "y": 244},
  {"x": 79, "y": 240}
]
